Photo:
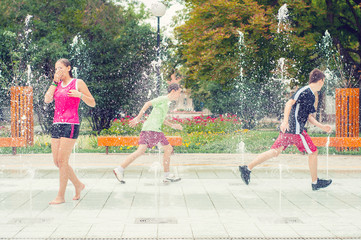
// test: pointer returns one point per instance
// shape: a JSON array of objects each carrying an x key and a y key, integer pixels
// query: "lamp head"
[{"x": 158, "y": 9}]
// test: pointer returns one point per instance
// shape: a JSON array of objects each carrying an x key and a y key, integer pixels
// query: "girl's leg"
[
  {"x": 61, "y": 159},
  {"x": 79, "y": 186},
  {"x": 55, "y": 149},
  {"x": 55, "y": 142},
  {"x": 140, "y": 151}
]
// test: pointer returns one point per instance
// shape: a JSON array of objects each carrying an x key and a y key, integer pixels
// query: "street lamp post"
[{"x": 158, "y": 9}]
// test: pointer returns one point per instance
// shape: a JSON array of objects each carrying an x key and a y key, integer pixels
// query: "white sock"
[
  {"x": 315, "y": 182},
  {"x": 249, "y": 169},
  {"x": 121, "y": 169},
  {"x": 166, "y": 174}
]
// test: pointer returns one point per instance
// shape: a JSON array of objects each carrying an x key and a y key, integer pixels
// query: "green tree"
[
  {"x": 209, "y": 38},
  {"x": 37, "y": 36},
  {"x": 121, "y": 50},
  {"x": 117, "y": 50},
  {"x": 343, "y": 20},
  {"x": 208, "y": 46}
]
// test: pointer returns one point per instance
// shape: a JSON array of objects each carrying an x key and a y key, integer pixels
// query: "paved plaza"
[{"x": 210, "y": 202}]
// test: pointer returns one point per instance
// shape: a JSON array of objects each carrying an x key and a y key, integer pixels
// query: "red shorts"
[
  {"x": 151, "y": 138},
  {"x": 302, "y": 141}
]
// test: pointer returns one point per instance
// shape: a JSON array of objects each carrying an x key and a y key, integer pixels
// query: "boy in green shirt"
[{"x": 152, "y": 134}]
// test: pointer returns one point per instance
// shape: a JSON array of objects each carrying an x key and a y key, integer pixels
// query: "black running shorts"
[{"x": 65, "y": 130}]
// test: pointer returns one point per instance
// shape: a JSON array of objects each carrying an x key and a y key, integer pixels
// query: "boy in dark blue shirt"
[{"x": 297, "y": 112}]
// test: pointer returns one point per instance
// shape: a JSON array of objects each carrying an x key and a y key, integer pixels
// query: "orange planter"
[
  {"x": 13, "y": 142},
  {"x": 108, "y": 141},
  {"x": 22, "y": 118},
  {"x": 347, "y": 113},
  {"x": 351, "y": 142}
]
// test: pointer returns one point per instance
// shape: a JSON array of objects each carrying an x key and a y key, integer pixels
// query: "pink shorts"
[
  {"x": 302, "y": 141},
  {"x": 151, "y": 138}
]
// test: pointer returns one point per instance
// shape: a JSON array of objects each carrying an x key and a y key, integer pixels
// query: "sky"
[{"x": 166, "y": 20}]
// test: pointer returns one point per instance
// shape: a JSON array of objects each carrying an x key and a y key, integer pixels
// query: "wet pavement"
[{"x": 210, "y": 202}]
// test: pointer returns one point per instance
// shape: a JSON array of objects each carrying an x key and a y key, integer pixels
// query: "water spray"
[{"x": 327, "y": 147}]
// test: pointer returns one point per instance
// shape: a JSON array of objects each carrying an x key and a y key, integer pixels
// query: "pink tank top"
[{"x": 66, "y": 108}]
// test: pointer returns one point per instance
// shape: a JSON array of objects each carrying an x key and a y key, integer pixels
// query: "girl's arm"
[
  {"x": 49, "y": 95},
  {"x": 83, "y": 93}
]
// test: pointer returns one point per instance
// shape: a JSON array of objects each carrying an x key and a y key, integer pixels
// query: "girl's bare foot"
[
  {"x": 57, "y": 200},
  {"x": 78, "y": 191}
]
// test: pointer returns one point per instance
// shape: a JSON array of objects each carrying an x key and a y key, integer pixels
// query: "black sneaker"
[
  {"x": 245, "y": 174},
  {"x": 321, "y": 183}
]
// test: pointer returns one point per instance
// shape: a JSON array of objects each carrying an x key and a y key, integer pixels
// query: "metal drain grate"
[
  {"x": 156, "y": 221},
  {"x": 151, "y": 184},
  {"x": 239, "y": 184},
  {"x": 288, "y": 220},
  {"x": 281, "y": 220},
  {"x": 29, "y": 220},
  {"x": 235, "y": 184},
  {"x": 202, "y": 238}
]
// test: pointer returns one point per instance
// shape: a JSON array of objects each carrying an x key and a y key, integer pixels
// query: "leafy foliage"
[
  {"x": 214, "y": 59},
  {"x": 200, "y": 124},
  {"x": 208, "y": 45},
  {"x": 116, "y": 50},
  {"x": 209, "y": 38}
]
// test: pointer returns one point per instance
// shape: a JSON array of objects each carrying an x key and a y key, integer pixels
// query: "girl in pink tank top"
[
  {"x": 67, "y": 93},
  {"x": 66, "y": 108}
]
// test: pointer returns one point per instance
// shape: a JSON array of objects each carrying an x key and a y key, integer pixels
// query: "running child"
[
  {"x": 152, "y": 134},
  {"x": 297, "y": 112}
]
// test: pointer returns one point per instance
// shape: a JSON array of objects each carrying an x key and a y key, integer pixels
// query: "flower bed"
[
  {"x": 5, "y": 130},
  {"x": 200, "y": 133}
]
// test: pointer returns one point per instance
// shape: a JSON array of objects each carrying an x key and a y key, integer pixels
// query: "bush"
[
  {"x": 200, "y": 133},
  {"x": 121, "y": 127},
  {"x": 210, "y": 142},
  {"x": 208, "y": 124},
  {"x": 198, "y": 124},
  {"x": 5, "y": 130}
]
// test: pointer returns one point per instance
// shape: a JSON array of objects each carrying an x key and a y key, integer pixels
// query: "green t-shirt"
[{"x": 158, "y": 114}]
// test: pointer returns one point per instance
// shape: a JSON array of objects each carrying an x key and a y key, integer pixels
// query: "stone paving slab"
[
  {"x": 211, "y": 201},
  {"x": 100, "y": 160}
]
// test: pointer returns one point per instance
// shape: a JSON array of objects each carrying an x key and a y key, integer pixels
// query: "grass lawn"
[{"x": 256, "y": 141}]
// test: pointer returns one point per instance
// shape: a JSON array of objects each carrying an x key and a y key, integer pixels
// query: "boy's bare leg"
[
  {"x": 168, "y": 177},
  {"x": 312, "y": 164},
  {"x": 140, "y": 151},
  {"x": 264, "y": 157},
  {"x": 166, "y": 157},
  {"x": 246, "y": 170}
]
